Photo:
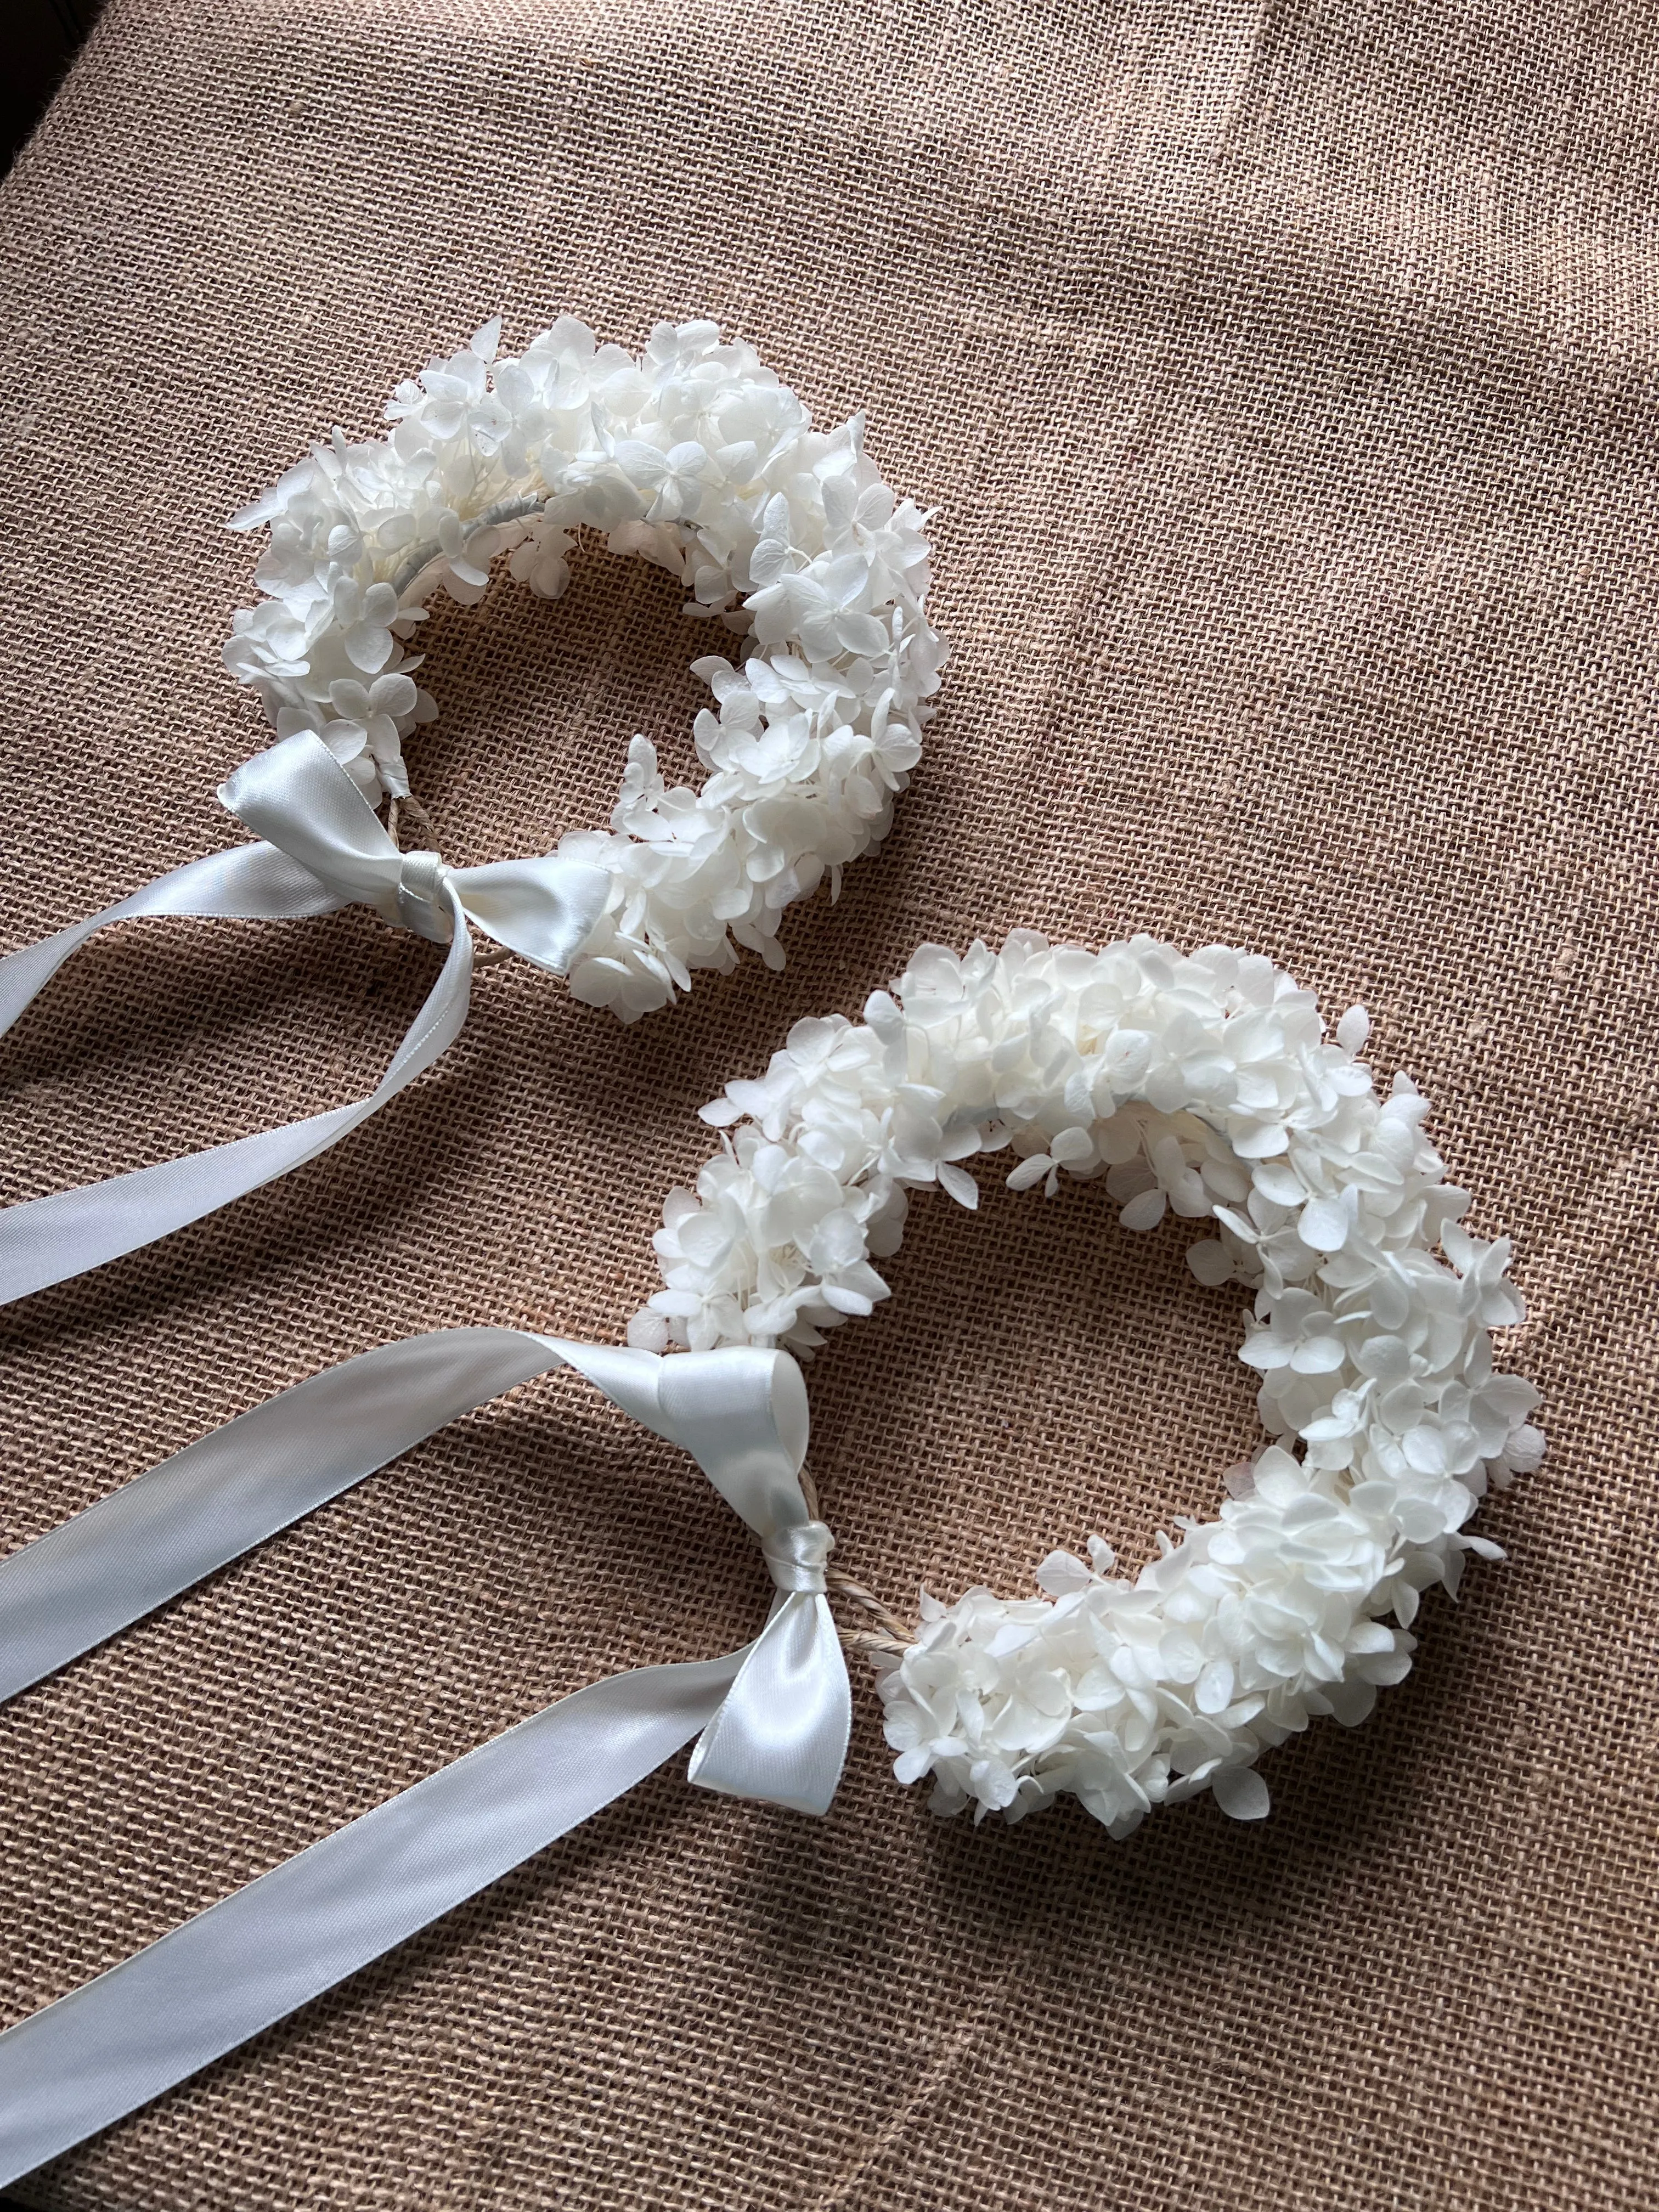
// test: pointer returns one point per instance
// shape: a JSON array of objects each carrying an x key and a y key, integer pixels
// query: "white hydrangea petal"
[
  {"x": 1145, "y": 1212},
  {"x": 1209, "y": 1261},
  {"x": 1241, "y": 1793},
  {"x": 1353, "y": 1029},
  {"x": 959, "y": 1183}
]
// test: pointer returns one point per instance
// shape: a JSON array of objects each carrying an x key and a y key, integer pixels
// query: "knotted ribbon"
[
  {"x": 770, "y": 1721},
  {"x": 323, "y": 847}
]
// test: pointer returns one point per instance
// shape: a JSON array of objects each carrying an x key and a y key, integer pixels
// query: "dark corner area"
[{"x": 45, "y": 37}]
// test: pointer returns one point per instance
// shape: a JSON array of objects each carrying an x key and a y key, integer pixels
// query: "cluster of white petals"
[
  {"x": 696, "y": 457},
  {"x": 1204, "y": 1086}
]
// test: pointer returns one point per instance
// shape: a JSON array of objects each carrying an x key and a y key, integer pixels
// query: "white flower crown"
[
  {"x": 1203, "y": 1085},
  {"x": 1206, "y": 1085},
  {"x": 695, "y": 456}
]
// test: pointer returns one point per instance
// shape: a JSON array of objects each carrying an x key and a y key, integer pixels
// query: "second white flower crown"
[{"x": 1204, "y": 1086}]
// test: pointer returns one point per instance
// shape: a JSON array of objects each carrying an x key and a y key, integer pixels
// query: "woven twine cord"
[
  {"x": 1283, "y": 381},
  {"x": 890, "y": 1633}
]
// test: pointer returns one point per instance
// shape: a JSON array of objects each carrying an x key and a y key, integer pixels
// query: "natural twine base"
[{"x": 893, "y": 1635}]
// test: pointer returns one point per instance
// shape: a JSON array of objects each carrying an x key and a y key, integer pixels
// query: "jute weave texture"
[{"x": 1283, "y": 376}]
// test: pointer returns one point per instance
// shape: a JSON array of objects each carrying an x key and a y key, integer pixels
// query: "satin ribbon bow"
[
  {"x": 771, "y": 1720},
  {"x": 301, "y": 800},
  {"x": 323, "y": 848}
]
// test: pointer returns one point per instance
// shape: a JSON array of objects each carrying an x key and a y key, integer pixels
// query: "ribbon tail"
[
  {"x": 167, "y": 1528},
  {"x": 110, "y": 2046},
  {"x": 49, "y": 1240},
  {"x": 251, "y": 883},
  {"x": 325, "y": 848},
  {"x": 772, "y": 1718},
  {"x": 781, "y": 1734},
  {"x": 220, "y": 1497}
]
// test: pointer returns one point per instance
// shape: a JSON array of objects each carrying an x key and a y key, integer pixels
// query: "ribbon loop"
[{"x": 299, "y": 798}]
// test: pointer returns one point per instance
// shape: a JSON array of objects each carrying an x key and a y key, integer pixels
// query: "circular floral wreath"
[
  {"x": 695, "y": 456},
  {"x": 1204, "y": 1086}
]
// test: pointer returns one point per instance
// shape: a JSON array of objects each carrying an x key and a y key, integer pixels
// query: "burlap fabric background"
[{"x": 1283, "y": 378}]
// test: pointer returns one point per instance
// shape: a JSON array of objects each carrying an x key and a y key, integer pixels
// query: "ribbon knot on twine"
[
  {"x": 798, "y": 1556},
  {"x": 322, "y": 847},
  {"x": 423, "y": 905},
  {"x": 770, "y": 1721}
]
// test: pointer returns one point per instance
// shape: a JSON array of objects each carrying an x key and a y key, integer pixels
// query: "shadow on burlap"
[{"x": 1283, "y": 379}]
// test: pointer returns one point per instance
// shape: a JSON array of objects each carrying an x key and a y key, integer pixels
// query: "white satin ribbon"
[
  {"x": 325, "y": 848},
  {"x": 771, "y": 1720}
]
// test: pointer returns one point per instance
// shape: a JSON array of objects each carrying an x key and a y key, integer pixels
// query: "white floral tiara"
[{"x": 694, "y": 455}]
